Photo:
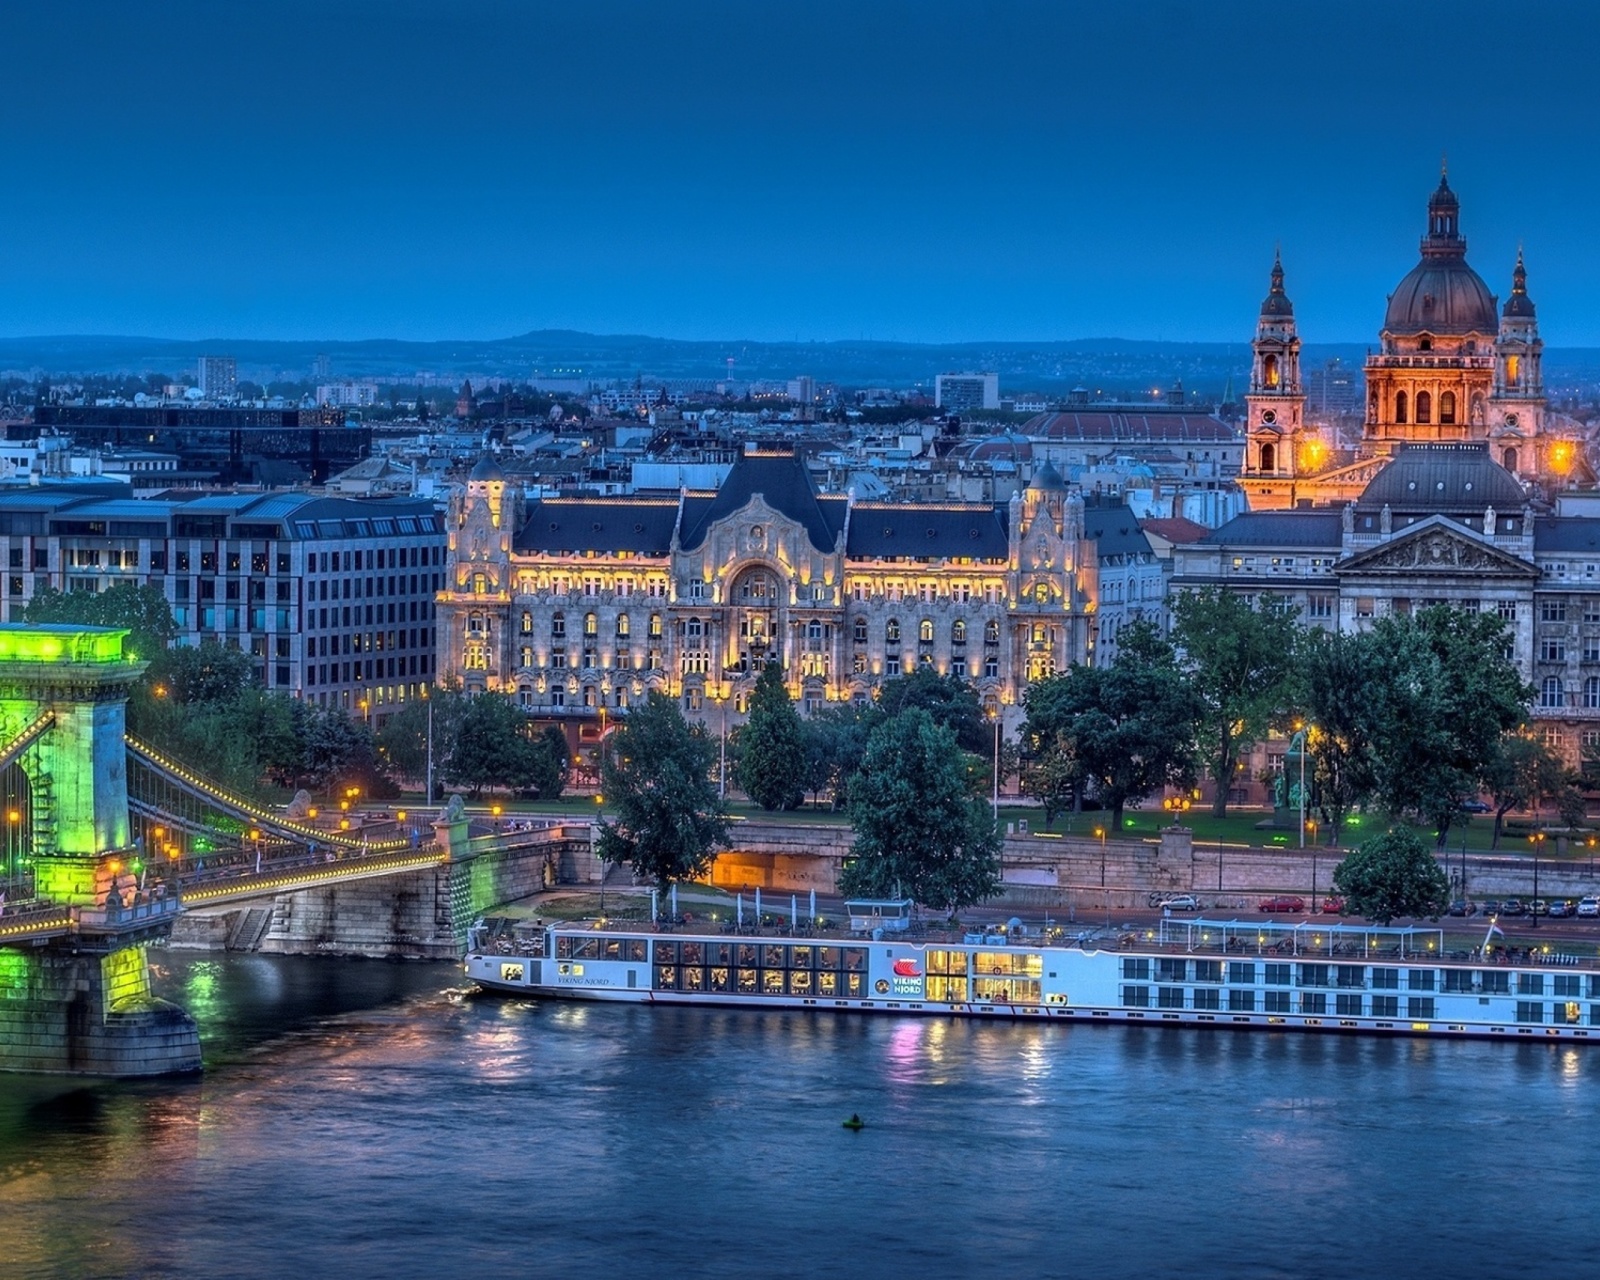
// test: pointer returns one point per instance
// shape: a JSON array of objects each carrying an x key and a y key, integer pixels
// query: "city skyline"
[{"x": 1055, "y": 172}]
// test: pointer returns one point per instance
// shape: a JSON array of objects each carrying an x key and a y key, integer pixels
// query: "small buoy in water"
[{"x": 855, "y": 1123}]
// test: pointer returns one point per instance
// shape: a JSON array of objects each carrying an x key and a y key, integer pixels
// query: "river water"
[{"x": 364, "y": 1119}]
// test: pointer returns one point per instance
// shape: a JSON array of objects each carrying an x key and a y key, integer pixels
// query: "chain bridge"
[{"x": 108, "y": 844}]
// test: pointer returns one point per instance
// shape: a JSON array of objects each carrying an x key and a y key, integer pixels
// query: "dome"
[
  {"x": 1443, "y": 478},
  {"x": 1519, "y": 305},
  {"x": 1047, "y": 479},
  {"x": 1277, "y": 301},
  {"x": 1442, "y": 294},
  {"x": 487, "y": 471}
]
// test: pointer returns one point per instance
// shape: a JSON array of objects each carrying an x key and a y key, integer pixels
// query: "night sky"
[{"x": 918, "y": 171}]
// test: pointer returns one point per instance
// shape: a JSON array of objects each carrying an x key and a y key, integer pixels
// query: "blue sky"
[{"x": 921, "y": 171}]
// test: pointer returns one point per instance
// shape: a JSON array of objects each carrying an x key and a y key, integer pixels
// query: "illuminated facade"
[
  {"x": 576, "y": 605},
  {"x": 1450, "y": 366}
]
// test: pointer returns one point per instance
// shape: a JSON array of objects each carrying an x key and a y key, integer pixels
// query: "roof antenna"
[{"x": 1444, "y": 166}]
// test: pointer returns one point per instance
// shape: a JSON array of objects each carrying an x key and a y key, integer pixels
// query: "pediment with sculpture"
[{"x": 1436, "y": 548}]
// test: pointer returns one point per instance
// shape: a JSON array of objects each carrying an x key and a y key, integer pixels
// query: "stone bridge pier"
[{"x": 80, "y": 1002}]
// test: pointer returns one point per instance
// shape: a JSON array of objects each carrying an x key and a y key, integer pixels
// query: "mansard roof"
[
  {"x": 640, "y": 525},
  {"x": 1575, "y": 534},
  {"x": 1459, "y": 476},
  {"x": 1320, "y": 528},
  {"x": 782, "y": 482},
  {"x": 927, "y": 530},
  {"x": 1114, "y": 530}
]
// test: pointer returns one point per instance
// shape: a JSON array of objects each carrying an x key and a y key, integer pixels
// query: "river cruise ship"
[{"x": 1308, "y": 976}]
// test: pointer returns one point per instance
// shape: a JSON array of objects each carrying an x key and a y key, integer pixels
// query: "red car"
[
  {"x": 1333, "y": 906},
  {"x": 1289, "y": 905}
]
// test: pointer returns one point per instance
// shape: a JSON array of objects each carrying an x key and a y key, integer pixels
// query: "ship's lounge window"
[
  {"x": 717, "y": 978},
  {"x": 772, "y": 982},
  {"x": 694, "y": 978},
  {"x": 1566, "y": 1012},
  {"x": 692, "y": 953},
  {"x": 1170, "y": 970},
  {"x": 1420, "y": 1008},
  {"x": 666, "y": 953},
  {"x": 800, "y": 982},
  {"x": 947, "y": 976},
  {"x": 749, "y": 981},
  {"x": 666, "y": 977}
]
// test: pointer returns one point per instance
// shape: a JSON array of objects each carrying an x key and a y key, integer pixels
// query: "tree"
[
  {"x": 1393, "y": 875},
  {"x": 656, "y": 772},
  {"x": 772, "y": 750},
  {"x": 1444, "y": 692},
  {"x": 1239, "y": 661},
  {"x": 403, "y": 740},
  {"x": 552, "y": 764},
  {"x": 1337, "y": 676},
  {"x": 950, "y": 700},
  {"x": 1521, "y": 773},
  {"x": 143, "y": 611},
  {"x": 1054, "y": 776},
  {"x": 836, "y": 744},
  {"x": 919, "y": 829},
  {"x": 1131, "y": 725},
  {"x": 492, "y": 747}
]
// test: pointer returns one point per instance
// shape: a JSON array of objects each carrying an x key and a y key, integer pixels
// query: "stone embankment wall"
[{"x": 416, "y": 914}]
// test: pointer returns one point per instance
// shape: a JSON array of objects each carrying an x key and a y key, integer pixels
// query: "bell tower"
[
  {"x": 1516, "y": 398},
  {"x": 1275, "y": 405}
]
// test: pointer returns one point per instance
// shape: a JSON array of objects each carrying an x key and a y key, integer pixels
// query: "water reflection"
[{"x": 374, "y": 1120}]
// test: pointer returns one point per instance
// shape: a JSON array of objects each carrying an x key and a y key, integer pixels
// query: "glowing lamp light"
[
  {"x": 311, "y": 813},
  {"x": 495, "y": 810},
  {"x": 13, "y": 815},
  {"x": 344, "y": 824}
]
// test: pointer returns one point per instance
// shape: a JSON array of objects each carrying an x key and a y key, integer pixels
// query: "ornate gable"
[{"x": 1436, "y": 547}]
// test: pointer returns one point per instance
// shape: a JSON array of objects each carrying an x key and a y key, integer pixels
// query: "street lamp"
[
  {"x": 1105, "y": 900},
  {"x": 994, "y": 714},
  {"x": 1536, "y": 840},
  {"x": 1301, "y": 729},
  {"x": 1312, "y": 827}
]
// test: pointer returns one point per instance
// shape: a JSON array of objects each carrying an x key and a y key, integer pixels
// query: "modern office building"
[
  {"x": 332, "y": 597},
  {"x": 219, "y": 377},
  {"x": 964, "y": 392}
]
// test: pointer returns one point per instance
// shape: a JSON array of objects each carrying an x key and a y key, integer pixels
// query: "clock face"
[
  {"x": 1269, "y": 416},
  {"x": 1511, "y": 419}
]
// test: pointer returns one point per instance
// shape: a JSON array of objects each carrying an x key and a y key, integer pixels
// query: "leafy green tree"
[
  {"x": 551, "y": 764},
  {"x": 1054, "y": 776},
  {"x": 772, "y": 750},
  {"x": 1393, "y": 875},
  {"x": 1239, "y": 660},
  {"x": 1131, "y": 725},
  {"x": 337, "y": 749},
  {"x": 919, "y": 829},
  {"x": 142, "y": 610},
  {"x": 836, "y": 743},
  {"x": 656, "y": 774},
  {"x": 403, "y": 740},
  {"x": 949, "y": 700},
  {"x": 1444, "y": 695},
  {"x": 1521, "y": 773},
  {"x": 492, "y": 747},
  {"x": 1337, "y": 677}
]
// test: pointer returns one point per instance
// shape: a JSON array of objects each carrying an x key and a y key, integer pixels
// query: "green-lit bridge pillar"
[{"x": 82, "y": 1003}]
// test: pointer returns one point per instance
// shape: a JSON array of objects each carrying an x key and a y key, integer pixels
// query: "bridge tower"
[{"x": 77, "y": 998}]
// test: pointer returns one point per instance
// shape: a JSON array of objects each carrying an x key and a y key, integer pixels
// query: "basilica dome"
[{"x": 1442, "y": 294}]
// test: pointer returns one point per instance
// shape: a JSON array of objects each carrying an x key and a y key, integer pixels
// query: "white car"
[
  {"x": 1589, "y": 907},
  {"x": 1181, "y": 902}
]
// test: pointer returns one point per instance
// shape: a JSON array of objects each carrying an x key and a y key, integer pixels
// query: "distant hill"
[{"x": 1113, "y": 365}]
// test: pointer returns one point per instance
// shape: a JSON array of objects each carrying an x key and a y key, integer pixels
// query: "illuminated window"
[
  {"x": 958, "y": 632},
  {"x": 925, "y": 631},
  {"x": 1424, "y": 407},
  {"x": 1447, "y": 407},
  {"x": 891, "y": 631}
]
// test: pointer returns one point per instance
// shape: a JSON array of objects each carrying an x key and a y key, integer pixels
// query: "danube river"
[{"x": 363, "y": 1119}]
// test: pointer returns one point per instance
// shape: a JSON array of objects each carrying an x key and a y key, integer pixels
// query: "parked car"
[
  {"x": 1491, "y": 907},
  {"x": 1333, "y": 905},
  {"x": 1512, "y": 907},
  {"x": 1460, "y": 907},
  {"x": 1181, "y": 902},
  {"x": 1474, "y": 806},
  {"x": 1284, "y": 903},
  {"x": 1538, "y": 907},
  {"x": 1588, "y": 908},
  {"x": 1561, "y": 908}
]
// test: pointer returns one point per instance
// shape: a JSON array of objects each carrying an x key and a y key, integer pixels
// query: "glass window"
[
  {"x": 1207, "y": 998},
  {"x": 1314, "y": 1003},
  {"x": 1241, "y": 1001},
  {"x": 1242, "y": 972},
  {"x": 1139, "y": 997},
  {"x": 1385, "y": 1006}
]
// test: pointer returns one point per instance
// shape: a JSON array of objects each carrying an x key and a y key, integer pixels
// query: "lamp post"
[
  {"x": 1536, "y": 839},
  {"x": 1313, "y": 828},
  {"x": 1105, "y": 899},
  {"x": 429, "y": 701},
  {"x": 994, "y": 715},
  {"x": 1300, "y": 737}
]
